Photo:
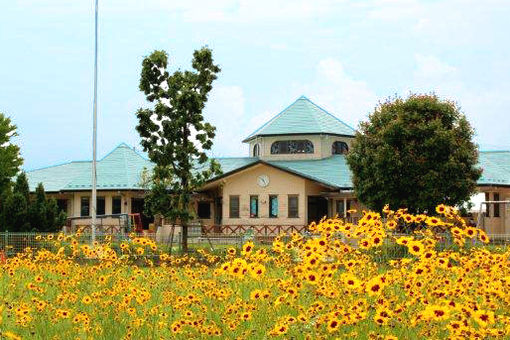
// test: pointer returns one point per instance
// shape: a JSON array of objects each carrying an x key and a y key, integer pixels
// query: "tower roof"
[{"x": 303, "y": 117}]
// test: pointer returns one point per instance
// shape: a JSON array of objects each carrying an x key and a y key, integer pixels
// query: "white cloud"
[
  {"x": 431, "y": 67},
  {"x": 391, "y": 10},
  {"x": 242, "y": 11},
  {"x": 482, "y": 106},
  {"x": 348, "y": 98},
  {"x": 226, "y": 111}
]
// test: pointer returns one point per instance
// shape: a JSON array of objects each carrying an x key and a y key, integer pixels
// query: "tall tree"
[
  {"x": 21, "y": 186},
  {"x": 414, "y": 153},
  {"x": 175, "y": 135},
  {"x": 10, "y": 159},
  {"x": 15, "y": 211},
  {"x": 38, "y": 210}
]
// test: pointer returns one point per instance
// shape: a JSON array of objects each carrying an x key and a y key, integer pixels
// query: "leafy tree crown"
[
  {"x": 414, "y": 153},
  {"x": 174, "y": 133},
  {"x": 10, "y": 159}
]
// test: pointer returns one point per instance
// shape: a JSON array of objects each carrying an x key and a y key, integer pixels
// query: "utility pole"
[{"x": 94, "y": 139}]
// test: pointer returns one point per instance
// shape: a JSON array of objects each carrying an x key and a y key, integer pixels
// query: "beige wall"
[
  {"x": 74, "y": 200},
  {"x": 281, "y": 184},
  {"x": 321, "y": 143},
  {"x": 501, "y": 224}
]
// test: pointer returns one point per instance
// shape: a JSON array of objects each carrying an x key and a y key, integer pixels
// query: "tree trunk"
[{"x": 184, "y": 237}]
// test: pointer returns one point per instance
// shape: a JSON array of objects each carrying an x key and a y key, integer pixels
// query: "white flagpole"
[{"x": 94, "y": 139}]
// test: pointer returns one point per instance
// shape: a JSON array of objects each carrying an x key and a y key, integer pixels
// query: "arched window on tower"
[
  {"x": 291, "y": 146},
  {"x": 339, "y": 148},
  {"x": 256, "y": 150}
]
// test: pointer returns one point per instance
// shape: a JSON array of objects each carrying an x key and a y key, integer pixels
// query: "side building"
[{"x": 295, "y": 173}]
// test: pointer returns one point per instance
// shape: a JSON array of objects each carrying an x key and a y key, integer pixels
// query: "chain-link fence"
[{"x": 14, "y": 242}]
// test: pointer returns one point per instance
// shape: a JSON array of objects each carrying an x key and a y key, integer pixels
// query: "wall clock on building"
[{"x": 263, "y": 181}]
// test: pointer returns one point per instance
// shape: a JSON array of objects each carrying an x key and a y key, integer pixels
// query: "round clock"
[{"x": 263, "y": 181}]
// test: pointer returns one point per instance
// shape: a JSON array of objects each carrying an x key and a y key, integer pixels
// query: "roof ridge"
[
  {"x": 303, "y": 116},
  {"x": 332, "y": 115},
  {"x": 315, "y": 117},
  {"x": 56, "y": 165},
  {"x": 126, "y": 168}
]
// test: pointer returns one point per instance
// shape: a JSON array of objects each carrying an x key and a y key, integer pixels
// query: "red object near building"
[{"x": 136, "y": 222}]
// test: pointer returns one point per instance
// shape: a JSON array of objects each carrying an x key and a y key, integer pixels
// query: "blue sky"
[{"x": 344, "y": 55}]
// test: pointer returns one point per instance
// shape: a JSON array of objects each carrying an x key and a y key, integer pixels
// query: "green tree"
[
  {"x": 38, "y": 210},
  {"x": 414, "y": 153},
  {"x": 52, "y": 215},
  {"x": 175, "y": 135},
  {"x": 21, "y": 186},
  {"x": 16, "y": 213},
  {"x": 10, "y": 159}
]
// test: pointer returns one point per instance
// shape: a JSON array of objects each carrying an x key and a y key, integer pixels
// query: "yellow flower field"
[{"x": 342, "y": 282}]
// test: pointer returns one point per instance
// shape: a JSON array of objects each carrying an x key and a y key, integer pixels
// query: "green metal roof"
[
  {"x": 121, "y": 169},
  {"x": 303, "y": 117},
  {"x": 118, "y": 170},
  {"x": 496, "y": 168},
  {"x": 332, "y": 171},
  {"x": 229, "y": 164}
]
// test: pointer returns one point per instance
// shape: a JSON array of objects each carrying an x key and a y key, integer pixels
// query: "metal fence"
[{"x": 14, "y": 242}]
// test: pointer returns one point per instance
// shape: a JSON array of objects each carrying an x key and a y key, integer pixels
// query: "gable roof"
[
  {"x": 496, "y": 168},
  {"x": 118, "y": 170},
  {"x": 332, "y": 172},
  {"x": 303, "y": 117}
]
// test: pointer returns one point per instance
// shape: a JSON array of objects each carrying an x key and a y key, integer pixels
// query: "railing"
[
  {"x": 116, "y": 223},
  {"x": 258, "y": 230}
]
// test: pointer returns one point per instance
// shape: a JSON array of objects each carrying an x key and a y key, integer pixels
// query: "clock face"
[{"x": 263, "y": 181}]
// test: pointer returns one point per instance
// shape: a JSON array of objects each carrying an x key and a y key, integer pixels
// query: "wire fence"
[{"x": 12, "y": 243}]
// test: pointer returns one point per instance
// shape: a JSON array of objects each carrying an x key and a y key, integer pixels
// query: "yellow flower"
[
  {"x": 333, "y": 325},
  {"x": 433, "y": 221},
  {"x": 247, "y": 248},
  {"x": 442, "y": 209},
  {"x": 86, "y": 300},
  {"x": 351, "y": 281},
  {"x": 416, "y": 248},
  {"x": 374, "y": 286},
  {"x": 484, "y": 318}
]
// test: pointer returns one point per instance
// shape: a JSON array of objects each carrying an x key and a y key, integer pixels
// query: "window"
[
  {"x": 273, "y": 206},
  {"x": 100, "y": 206},
  {"x": 496, "y": 205},
  {"x": 62, "y": 205},
  {"x": 85, "y": 206},
  {"x": 340, "y": 208},
  {"x": 204, "y": 210},
  {"x": 291, "y": 146},
  {"x": 487, "y": 206},
  {"x": 293, "y": 206},
  {"x": 339, "y": 148},
  {"x": 256, "y": 150},
  {"x": 254, "y": 206},
  {"x": 234, "y": 206},
  {"x": 116, "y": 205}
]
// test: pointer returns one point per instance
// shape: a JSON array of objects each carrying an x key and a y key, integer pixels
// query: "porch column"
[{"x": 345, "y": 207}]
